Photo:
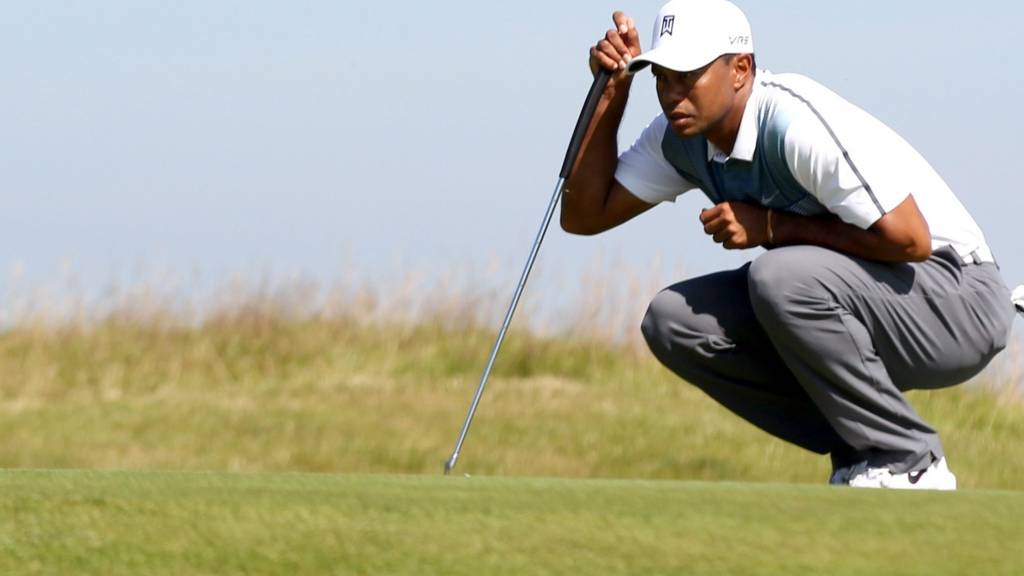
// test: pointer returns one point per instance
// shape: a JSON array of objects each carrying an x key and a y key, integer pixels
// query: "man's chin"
[{"x": 686, "y": 132}]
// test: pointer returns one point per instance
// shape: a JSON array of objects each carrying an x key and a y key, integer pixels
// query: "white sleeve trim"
[{"x": 644, "y": 170}]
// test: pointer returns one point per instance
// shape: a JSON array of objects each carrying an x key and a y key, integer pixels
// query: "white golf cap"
[{"x": 689, "y": 34}]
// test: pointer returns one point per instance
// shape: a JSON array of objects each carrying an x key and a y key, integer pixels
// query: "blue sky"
[{"x": 333, "y": 138}]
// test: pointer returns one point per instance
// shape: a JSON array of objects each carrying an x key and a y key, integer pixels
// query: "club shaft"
[
  {"x": 575, "y": 144},
  {"x": 504, "y": 326}
]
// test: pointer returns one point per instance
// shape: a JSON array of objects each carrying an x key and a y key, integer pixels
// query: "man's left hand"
[{"x": 736, "y": 225}]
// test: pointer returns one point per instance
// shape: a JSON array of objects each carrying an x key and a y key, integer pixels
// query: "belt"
[{"x": 980, "y": 255}]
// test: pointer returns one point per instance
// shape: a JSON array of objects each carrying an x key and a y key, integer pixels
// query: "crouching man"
[{"x": 876, "y": 280}]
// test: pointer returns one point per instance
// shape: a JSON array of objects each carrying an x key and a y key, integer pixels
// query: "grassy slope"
[
  {"x": 146, "y": 523},
  {"x": 258, "y": 394}
]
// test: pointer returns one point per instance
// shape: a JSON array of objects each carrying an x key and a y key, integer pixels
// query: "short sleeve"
[
  {"x": 644, "y": 171},
  {"x": 820, "y": 161},
  {"x": 856, "y": 166}
]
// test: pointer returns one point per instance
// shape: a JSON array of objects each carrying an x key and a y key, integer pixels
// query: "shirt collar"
[{"x": 746, "y": 138}]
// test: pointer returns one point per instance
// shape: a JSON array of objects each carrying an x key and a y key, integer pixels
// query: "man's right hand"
[
  {"x": 593, "y": 201},
  {"x": 617, "y": 48}
]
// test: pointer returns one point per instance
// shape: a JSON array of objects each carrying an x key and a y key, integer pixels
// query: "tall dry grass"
[{"x": 261, "y": 374}]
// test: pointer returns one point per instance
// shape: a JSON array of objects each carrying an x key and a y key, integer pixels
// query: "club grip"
[{"x": 596, "y": 90}]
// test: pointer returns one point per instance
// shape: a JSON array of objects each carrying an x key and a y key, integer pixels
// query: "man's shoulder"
[
  {"x": 795, "y": 93},
  {"x": 784, "y": 80},
  {"x": 788, "y": 100}
]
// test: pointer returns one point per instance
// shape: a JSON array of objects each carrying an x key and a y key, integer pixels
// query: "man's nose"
[{"x": 677, "y": 92}]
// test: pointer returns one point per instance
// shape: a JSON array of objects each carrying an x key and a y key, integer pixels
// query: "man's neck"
[{"x": 724, "y": 134}]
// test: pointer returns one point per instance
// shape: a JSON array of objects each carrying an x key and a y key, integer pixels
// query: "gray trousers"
[{"x": 816, "y": 347}]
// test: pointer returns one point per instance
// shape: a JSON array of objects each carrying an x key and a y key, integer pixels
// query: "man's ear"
[{"x": 742, "y": 69}]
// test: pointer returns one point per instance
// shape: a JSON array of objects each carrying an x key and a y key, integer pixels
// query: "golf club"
[{"x": 589, "y": 106}]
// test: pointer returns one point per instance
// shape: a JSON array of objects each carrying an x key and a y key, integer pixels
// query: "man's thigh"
[
  {"x": 710, "y": 320},
  {"x": 712, "y": 311},
  {"x": 934, "y": 323}
]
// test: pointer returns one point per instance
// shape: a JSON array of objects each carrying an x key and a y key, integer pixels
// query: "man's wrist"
[{"x": 618, "y": 90}]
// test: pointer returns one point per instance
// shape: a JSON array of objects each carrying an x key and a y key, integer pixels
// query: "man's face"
[{"x": 697, "y": 100}]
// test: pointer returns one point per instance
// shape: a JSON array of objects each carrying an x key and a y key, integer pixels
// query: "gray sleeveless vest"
[{"x": 765, "y": 181}]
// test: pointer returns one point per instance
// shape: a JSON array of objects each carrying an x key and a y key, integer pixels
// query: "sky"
[{"x": 200, "y": 139}]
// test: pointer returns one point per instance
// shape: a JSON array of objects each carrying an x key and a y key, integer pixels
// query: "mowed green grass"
[
  {"x": 113, "y": 523},
  {"x": 259, "y": 392},
  {"x": 335, "y": 432}
]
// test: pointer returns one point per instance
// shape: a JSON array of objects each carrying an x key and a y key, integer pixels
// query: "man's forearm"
[
  {"x": 831, "y": 232},
  {"x": 588, "y": 186}
]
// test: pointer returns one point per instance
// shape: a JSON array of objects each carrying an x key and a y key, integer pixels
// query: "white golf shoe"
[
  {"x": 935, "y": 477},
  {"x": 1018, "y": 298}
]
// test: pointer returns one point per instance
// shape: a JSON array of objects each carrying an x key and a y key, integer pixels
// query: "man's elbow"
[
  {"x": 909, "y": 230},
  {"x": 917, "y": 248},
  {"x": 920, "y": 251},
  {"x": 578, "y": 228},
  {"x": 905, "y": 234}
]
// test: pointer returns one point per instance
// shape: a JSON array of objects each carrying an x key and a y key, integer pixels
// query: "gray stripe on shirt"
[{"x": 835, "y": 138}]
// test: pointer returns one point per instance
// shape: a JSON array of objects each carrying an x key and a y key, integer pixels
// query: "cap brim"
[{"x": 668, "y": 59}]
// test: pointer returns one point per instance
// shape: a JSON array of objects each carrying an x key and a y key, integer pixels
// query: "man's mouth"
[{"x": 679, "y": 119}]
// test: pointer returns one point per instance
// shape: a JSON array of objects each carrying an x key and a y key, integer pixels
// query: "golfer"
[{"x": 876, "y": 279}]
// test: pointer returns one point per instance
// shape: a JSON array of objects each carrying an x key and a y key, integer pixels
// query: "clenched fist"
[{"x": 736, "y": 225}]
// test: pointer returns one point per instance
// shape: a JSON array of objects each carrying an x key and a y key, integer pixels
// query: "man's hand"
[
  {"x": 593, "y": 200},
  {"x": 617, "y": 48},
  {"x": 736, "y": 225},
  {"x": 902, "y": 235}
]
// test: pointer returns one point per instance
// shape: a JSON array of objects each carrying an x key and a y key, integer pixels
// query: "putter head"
[
  {"x": 1018, "y": 298},
  {"x": 449, "y": 465}
]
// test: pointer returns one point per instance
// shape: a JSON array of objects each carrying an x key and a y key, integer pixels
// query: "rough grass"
[
  {"x": 260, "y": 392},
  {"x": 146, "y": 523},
  {"x": 264, "y": 391}
]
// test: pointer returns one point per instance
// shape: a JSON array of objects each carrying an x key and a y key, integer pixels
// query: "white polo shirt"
[{"x": 801, "y": 148}]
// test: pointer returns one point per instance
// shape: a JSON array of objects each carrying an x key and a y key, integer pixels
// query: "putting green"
[{"x": 83, "y": 522}]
